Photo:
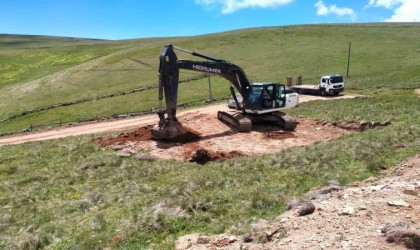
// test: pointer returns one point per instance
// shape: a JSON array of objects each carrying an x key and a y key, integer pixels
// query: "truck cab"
[{"x": 331, "y": 84}]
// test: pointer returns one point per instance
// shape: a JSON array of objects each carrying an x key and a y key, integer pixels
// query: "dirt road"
[{"x": 125, "y": 124}]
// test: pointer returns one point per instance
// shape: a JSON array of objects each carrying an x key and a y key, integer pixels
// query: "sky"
[{"x": 126, "y": 19}]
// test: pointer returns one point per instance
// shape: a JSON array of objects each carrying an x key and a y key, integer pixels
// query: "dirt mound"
[{"x": 140, "y": 134}]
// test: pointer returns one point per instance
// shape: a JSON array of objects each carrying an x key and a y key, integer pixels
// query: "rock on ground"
[{"x": 306, "y": 208}]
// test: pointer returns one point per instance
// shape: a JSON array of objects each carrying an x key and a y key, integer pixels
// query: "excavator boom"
[{"x": 169, "y": 75}]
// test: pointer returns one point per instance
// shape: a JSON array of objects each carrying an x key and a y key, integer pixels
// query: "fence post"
[
  {"x": 348, "y": 60},
  {"x": 31, "y": 128},
  {"x": 299, "y": 80},
  {"x": 289, "y": 81},
  {"x": 210, "y": 97}
]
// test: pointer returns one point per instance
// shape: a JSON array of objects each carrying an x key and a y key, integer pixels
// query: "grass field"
[
  {"x": 70, "y": 194},
  {"x": 41, "y": 71}
]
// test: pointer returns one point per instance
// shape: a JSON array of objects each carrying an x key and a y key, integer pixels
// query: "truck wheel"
[
  {"x": 322, "y": 92},
  {"x": 336, "y": 93}
]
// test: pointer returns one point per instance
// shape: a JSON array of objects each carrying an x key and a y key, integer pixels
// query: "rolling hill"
[
  {"x": 41, "y": 71},
  {"x": 71, "y": 194}
]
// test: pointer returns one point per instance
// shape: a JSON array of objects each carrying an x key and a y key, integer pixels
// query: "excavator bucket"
[
  {"x": 174, "y": 132},
  {"x": 170, "y": 130}
]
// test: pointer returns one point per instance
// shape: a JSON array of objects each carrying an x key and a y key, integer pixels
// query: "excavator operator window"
[
  {"x": 267, "y": 96},
  {"x": 280, "y": 97},
  {"x": 254, "y": 98},
  {"x": 256, "y": 90}
]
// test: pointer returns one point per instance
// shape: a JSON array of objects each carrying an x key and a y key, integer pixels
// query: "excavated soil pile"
[
  {"x": 218, "y": 142},
  {"x": 140, "y": 134}
]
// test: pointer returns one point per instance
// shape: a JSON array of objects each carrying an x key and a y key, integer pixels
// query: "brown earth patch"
[
  {"x": 277, "y": 135},
  {"x": 140, "y": 134},
  {"x": 218, "y": 142}
]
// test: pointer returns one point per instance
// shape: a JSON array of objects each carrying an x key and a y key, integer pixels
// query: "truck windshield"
[{"x": 336, "y": 79}]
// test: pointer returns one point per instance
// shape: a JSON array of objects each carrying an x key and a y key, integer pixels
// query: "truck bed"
[{"x": 305, "y": 87}]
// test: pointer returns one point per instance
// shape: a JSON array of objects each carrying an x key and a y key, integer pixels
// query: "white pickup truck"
[{"x": 331, "y": 85}]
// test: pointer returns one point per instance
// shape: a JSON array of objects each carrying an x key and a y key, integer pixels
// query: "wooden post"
[
  {"x": 299, "y": 80},
  {"x": 289, "y": 81},
  {"x": 348, "y": 60}
]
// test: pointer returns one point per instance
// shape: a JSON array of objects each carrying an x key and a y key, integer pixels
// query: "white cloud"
[
  {"x": 409, "y": 11},
  {"x": 230, "y": 6},
  {"x": 404, "y": 10},
  {"x": 384, "y": 3},
  {"x": 341, "y": 11},
  {"x": 323, "y": 10}
]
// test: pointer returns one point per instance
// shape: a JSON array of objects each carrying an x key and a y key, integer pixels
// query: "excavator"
[{"x": 254, "y": 102}]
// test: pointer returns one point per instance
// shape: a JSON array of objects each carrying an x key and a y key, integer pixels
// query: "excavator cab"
[{"x": 265, "y": 97}]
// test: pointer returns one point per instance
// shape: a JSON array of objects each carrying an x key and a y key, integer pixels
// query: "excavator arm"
[{"x": 169, "y": 75}]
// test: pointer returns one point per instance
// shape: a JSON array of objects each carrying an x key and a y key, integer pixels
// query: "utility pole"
[{"x": 348, "y": 60}]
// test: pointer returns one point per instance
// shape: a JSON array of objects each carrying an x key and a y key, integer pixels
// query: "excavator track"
[
  {"x": 236, "y": 120},
  {"x": 287, "y": 122}
]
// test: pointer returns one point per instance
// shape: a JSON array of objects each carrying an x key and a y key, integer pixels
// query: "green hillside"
[
  {"x": 41, "y": 71},
  {"x": 70, "y": 194}
]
